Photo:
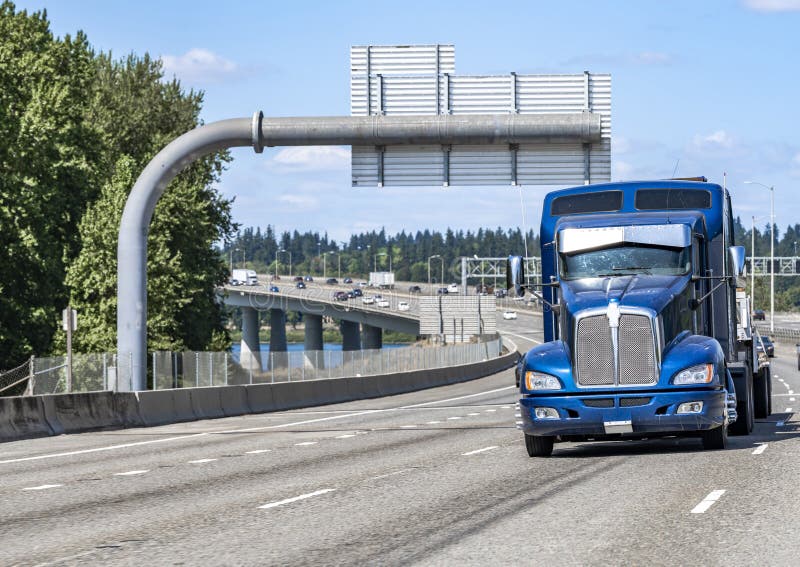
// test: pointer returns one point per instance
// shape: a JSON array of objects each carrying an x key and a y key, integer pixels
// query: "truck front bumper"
[{"x": 641, "y": 413}]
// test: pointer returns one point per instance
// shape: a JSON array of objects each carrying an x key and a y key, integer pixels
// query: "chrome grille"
[
  {"x": 637, "y": 364},
  {"x": 594, "y": 352}
]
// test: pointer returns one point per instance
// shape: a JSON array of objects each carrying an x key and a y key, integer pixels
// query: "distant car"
[
  {"x": 414, "y": 289},
  {"x": 769, "y": 346},
  {"x": 234, "y": 281},
  {"x": 500, "y": 293},
  {"x": 308, "y": 279},
  {"x": 357, "y": 292},
  {"x": 298, "y": 278},
  {"x": 452, "y": 288},
  {"x": 331, "y": 281},
  {"x": 348, "y": 280},
  {"x": 300, "y": 285},
  {"x": 383, "y": 303},
  {"x": 360, "y": 284},
  {"x": 442, "y": 291},
  {"x": 509, "y": 314},
  {"x": 274, "y": 289},
  {"x": 759, "y": 315},
  {"x": 340, "y": 296},
  {"x": 350, "y": 294},
  {"x": 367, "y": 300},
  {"x": 403, "y": 306}
]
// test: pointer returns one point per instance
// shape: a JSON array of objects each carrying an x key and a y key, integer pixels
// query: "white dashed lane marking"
[
  {"x": 345, "y": 436},
  {"x": 760, "y": 449},
  {"x": 476, "y": 451},
  {"x": 257, "y": 451},
  {"x": 708, "y": 501},
  {"x": 296, "y": 498},
  {"x": 433, "y": 422},
  {"x": 132, "y": 473},
  {"x": 43, "y": 487},
  {"x": 305, "y": 443},
  {"x": 454, "y": 417},
  {"x": 201, "y": 461}
]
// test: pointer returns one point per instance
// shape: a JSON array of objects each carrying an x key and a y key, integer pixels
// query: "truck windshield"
[{"x": 626, "y": 260}]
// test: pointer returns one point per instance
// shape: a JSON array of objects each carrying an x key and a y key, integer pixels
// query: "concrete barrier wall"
[{"x": 38, "y": 416}]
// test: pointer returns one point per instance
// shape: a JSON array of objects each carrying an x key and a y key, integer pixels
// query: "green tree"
[{"x": 46, "y": 156}]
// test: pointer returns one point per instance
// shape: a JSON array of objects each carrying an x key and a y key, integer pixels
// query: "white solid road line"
[
  {"x": 257, "y": 451},
  {"x": 760, "y": 449},
  {"x": 43, "y": 487},
  {"x": 708, "y": 501},
  {"x": 305, "y": 443},
  {"x": 132, "y": 473},
  {"x": 479, "y": 451},
  {"x": 244, "y": 430},
  {"x": 201, "y": 461},
  {"x": 296, "y": 498},
  {"x": 98, "y": 449}
]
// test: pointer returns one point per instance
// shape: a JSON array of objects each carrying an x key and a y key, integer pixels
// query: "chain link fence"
[
  {"x": 16, "y": 381},
  {"x": 166, "y": 370}
]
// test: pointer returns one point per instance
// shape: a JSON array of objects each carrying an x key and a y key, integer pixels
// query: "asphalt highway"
[{"x": 438, "y": 477}]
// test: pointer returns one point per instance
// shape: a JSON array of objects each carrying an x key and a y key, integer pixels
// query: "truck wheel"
[
  {"x": 716, "y": 438},
  {"x": 744, "y": 407},
  {"x": 761, "y": 394},
  {"x": 539, "y": 446}
]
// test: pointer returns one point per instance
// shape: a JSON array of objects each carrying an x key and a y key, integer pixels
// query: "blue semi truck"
[{"x": 646, "y": 323}]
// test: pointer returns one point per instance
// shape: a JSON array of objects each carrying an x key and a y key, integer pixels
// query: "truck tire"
[
  {"x": 761, "y": 394},
  {"x": 539, "y": 446},
  {"x": 716, "y": 438},
  {"x": 744, "y": 403}
]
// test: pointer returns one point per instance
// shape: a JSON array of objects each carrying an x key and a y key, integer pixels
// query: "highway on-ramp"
[{"x": 436, "y": 477}]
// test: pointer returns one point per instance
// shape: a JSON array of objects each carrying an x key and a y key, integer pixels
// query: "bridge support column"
[
  {"x": 351, "y": 336},
  {"x": 313, "y": 342},
  {"x": 373, "y": 337},
  {"x": 250, "y": 357},
  {"x": 277, "y": 335}
]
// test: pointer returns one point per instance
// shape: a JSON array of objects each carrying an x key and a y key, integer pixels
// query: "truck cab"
[{"x": 641, "y": 326}]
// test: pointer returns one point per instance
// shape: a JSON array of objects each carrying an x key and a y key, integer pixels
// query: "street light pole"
[
  {"x": 429, "y": 269},
  {"x": 771, "y": 253},
  {"x": 753, "y": 266}
]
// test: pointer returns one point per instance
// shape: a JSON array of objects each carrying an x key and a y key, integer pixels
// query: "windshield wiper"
[{"x": 635, "y": 269}]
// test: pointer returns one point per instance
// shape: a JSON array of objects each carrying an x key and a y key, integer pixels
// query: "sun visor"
[{"x": 577, "y": 239}]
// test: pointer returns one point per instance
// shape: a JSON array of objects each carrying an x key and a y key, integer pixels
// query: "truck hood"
[{"x": 650, "y": 292}]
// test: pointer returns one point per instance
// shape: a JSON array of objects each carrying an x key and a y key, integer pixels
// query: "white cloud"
[
  {"x": 797, "y": 158},
  {"x": 313, "y": 158},
  {"x": 199, "y": 65},
  {"x": 652, "y": 58},
  {"x": 773, "y": 5},
  {"x": 304, "y": 201},
  {"x": 718, "y": 139},
  {"x": 621, "y": 169}
]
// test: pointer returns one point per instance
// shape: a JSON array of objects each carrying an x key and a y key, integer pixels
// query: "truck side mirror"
[
  {"x": 737, "y": 256},
  {"x": 515, "y": 275}
]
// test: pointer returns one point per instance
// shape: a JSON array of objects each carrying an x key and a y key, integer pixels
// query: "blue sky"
[{"x": 710, "y": 85}]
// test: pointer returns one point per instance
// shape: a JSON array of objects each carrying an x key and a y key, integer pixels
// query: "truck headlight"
[
  {"x": 539, "y": 381},
  {"x": 700, "y": 374}
]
